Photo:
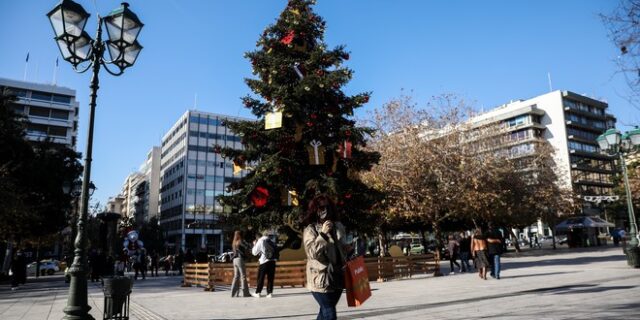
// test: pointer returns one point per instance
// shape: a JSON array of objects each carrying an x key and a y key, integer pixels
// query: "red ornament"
[
  {"x": 288, "y": 38},
  {"x": 314, "y": 116},
  {"x": 347, "y": 133},
  {"x": 347, "y": 196},
  {"x": 309, "y": 124},
  {"x": 259, "y": 197},
  {"x": 346, "y": 56},
  {"x": 217, "y": 149},
  {"x": 320, "y": 72},
  {"x": 365, "y": 99}
]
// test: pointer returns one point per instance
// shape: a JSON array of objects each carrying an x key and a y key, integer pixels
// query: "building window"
[
  {"x": 37, "y": 95},
  {"x": 58, "y": 131},
  {"x": 39, "y": 112},
  {"x": 59, "y": 114},
  {"x": 61, "y": 99},
  {"x": 38, "y": 129}
]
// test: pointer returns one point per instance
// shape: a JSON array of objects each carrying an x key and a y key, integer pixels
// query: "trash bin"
[
  {"x": 116, "y": 298},
  {"x": 633, "y": 257}
]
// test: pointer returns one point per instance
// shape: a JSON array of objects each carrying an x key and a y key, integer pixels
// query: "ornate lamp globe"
[{"x": 123, "y": 27}]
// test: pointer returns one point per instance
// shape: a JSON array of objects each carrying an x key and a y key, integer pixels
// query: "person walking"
[
  {"x": 18, "y": 270},
  {"x": 266, "y": 249},
  {"x": 324, "y": 241},
  {"x": 239, "y": 282},
  {"x": 465, "y": 252},
  {"x": 154, "y": 263},
  {"x": 479, "y": 252},
  {"x": 494, "y": 244},
  {"x": 453, "y": 246}
]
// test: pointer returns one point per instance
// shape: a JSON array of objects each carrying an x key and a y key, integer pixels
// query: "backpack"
[{"x": 270, "y": 250}]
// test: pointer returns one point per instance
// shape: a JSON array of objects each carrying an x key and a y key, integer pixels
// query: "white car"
[{"x": 47, "y": 267}]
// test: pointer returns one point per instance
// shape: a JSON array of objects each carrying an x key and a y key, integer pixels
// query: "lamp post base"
[
  {"x": 633, "y": 256},
  {"x": 77, "y": 312}
]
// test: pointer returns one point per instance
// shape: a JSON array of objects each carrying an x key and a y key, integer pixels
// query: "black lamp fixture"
[{"x": 68, "y": 20}]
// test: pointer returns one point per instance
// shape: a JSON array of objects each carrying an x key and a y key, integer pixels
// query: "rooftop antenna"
[{"x": 549, "y": 77}]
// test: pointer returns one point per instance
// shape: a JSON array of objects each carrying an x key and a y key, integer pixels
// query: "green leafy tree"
[
  {"x": 32, "y": 200},
  {"x": 297, "y": 76}
]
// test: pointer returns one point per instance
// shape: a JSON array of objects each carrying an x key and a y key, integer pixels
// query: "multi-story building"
[
  {"x": 151, "y": 171},
  {"x": 52, "y": 111},
  {"x": 115, "y": 204},
  {"x": 192, "y": 175},
  {"x": 132, "y": 191},
  {"x": 570, "y": 123}
]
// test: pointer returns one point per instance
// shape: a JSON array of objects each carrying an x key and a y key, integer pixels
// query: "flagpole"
[
  {"x": 26, "y": 64},
  {"x": 55, "y": 72}
]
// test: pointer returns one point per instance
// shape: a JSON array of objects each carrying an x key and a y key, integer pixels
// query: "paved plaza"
[{"x": 538, "y": 284}]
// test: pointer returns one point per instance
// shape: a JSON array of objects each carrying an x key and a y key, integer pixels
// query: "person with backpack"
[{"x": 267, "y": 250}]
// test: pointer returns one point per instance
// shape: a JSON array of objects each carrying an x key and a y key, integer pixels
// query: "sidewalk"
[{"x": 565, "y": 284}]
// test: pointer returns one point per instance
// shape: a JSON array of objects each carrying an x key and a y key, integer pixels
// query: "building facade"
[
  {"x": 151, "y": 171},
  {"x": 570, "y": 123},
  {"x": 191, "y": 176},
  {"x": 52, "y": 111},
  {"x": 133, "y": 190}
]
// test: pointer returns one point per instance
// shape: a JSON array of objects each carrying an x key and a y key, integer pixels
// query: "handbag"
[{"x": 357, "y": 282}]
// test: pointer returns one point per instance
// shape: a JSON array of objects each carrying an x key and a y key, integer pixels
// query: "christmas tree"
[{"x": 305, "y": 141}]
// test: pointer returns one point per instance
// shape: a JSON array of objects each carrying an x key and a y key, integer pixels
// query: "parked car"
[
  {"x": 47, "y": 267},
  {"x": 416, "y": 248}
]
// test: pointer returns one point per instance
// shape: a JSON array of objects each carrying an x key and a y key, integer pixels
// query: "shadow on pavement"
[
  {"x": 562, "y": 262},
  {"x": 531, "y": 275}
]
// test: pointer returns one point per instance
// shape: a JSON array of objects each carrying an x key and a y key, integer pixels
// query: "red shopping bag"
[{"x": 356, "y": 280}]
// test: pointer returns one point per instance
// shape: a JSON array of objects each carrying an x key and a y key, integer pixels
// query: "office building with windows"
[
  {"x": 52, "y": 111},
  {"x": 191, "y": 176},
  {"x": 570, "y": 123}
]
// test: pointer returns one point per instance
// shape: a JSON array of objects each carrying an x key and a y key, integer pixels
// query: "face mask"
[{"x": 322, "y": 213}]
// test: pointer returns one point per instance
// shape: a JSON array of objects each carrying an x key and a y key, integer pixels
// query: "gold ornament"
[{"x": 273, "y": 120}]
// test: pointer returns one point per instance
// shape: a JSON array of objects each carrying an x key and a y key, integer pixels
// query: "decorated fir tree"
[{"x": 305, "y": 141}]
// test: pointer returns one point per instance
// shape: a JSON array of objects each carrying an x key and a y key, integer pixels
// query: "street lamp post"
[
  {"x": 621, "y": 144},
  {"x": 68, "y": 20}
]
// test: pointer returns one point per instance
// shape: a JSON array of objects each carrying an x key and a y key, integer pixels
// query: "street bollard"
[{"x": 116, "y": 298}]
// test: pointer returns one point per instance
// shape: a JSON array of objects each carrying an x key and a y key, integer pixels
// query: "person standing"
[
  {"x": 465, "y": 252},
  {"x": 266, "y": 249},
  {"x": 18, "y": 270},
  {"x": 453, "y": 246},
  {"x": 479, "y": 252},
  {"x": 494, "y": 244},
  {"x": 239, "y": 282},
  {"x": 325, "y": 245},
  {"x": 179, "y": 260}
]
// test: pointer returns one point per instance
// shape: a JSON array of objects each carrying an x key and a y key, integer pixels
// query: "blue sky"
[{"x": 489, "y": 52}]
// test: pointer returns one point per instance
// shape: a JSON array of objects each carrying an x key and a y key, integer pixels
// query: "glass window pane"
[
  {"x": 39, "y": 112},
  {"x": 60, "y": 114},
  {"x": 58, "y": 131},
  {"x": 37, "y": 95},
  {"x": 61, "y": 99}
]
